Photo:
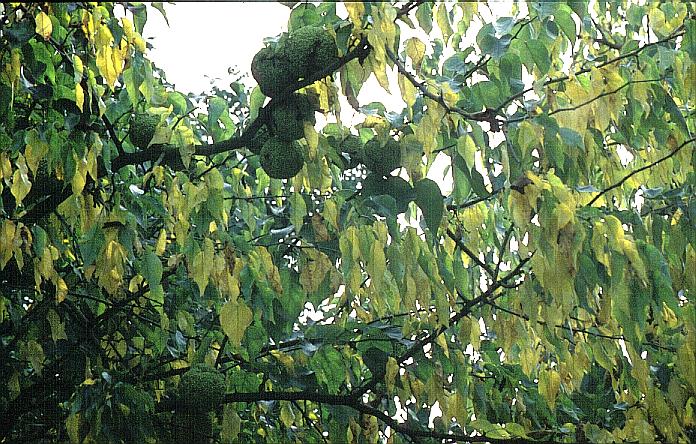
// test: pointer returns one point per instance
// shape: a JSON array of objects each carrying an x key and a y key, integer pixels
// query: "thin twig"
[{"x": 633, "y": 173}]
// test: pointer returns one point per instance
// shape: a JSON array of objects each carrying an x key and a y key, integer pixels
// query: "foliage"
[{"x": 533, "y": 279}]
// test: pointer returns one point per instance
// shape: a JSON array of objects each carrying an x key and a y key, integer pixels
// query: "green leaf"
[
  {"x": 158, "y": 6},
  {"x": 539, "y": 54},
  {"x": 152, "y": 269},
  {"x": 91, "y": 245},
  {"x": 674, "y": 113},
  {"x": 490, "y": 44},
  {"x": 566, "y": 23},
  {"x": 429, "y": 200},
  {"x": 216, "y": 108},
  {"x": 424, "y": 14},
  {"x": 328, "y": 363},
  {"x": 298, "y": 210}
]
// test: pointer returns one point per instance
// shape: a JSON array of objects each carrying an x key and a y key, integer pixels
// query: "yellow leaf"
[
  {"x": 549, "y": 384},
  {"x": 231, "y": 424},
  {"x": 128, "y": 29},
  {"x": 200, "y": 269},
  {"x": 79, "y": 96},
  {"x": 20, "y": 181},
  {"x": 392, "y": 371},
  {"x": 330, "y": 213},
  {"x": 415, "y": 49},
  {"x": 61, "y": 290},
  {"x": 161, "y": 242},
  {"x": 287, "y": 416},
  {"x": 78, "y": 68},
  {"x": 467, "y": 149},
  {"x": 35, "y": 151},
  {"x": 441, "y": 340},
  {"x": 377, "y": 266},
  {"x": 80, "y": 178},
  {"x": 563, "y": 215},
  {"x": 44, "y": 27},
  {"x": 314, "y": 272},
  {"x": 7, "y": 234},
  {"x": 235, "y": 317},
  {"x": 356, "y": 10},
  {"x": 5, "y": 168},
  {"x": 443, "y": 22},
  {"x": 408, "y": 91},
  {"x": 72, "y": 426},
  {"x": 57, "y": 327},
  {"x": 528, "y": 360}
]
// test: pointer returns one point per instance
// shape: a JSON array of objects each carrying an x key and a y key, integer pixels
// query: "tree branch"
[
  {"x": 633, "y": 173},
  {"x": 679, "y": 32}
]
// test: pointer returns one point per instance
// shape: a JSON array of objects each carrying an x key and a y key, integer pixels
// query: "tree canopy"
[{"x": 509, "y": 257}]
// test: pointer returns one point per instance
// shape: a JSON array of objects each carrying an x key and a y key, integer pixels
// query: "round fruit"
[
  {"x": 382, "y": 159},
  {"x": 281, "y": 159},
  {"x": 201, "y": 389},
  {"x": 310, "y": 49},
  {"x": 142, "y": 129},
  {"x": 352, "y": 146},
  {"x": 288, "y": 117},
  {"x": 272, "y": 71}
]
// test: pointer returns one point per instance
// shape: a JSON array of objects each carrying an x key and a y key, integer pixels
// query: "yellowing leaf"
[
  {"x": 390, "y": 375},
  {"x": 467, "y": 149},
  {"x": 287, "y": 416},
  {"x": 356, "y": 10},
  {"x": 549, "y": 384},
  {"x": 79, "y": 96},
  {"x": 20, "y": 181},
  {"x": 161, "y": 242},
  {"x": 235, "y": 317},
  {"x": 200, "y": 269},
  {"x": 44, "y": 27},
  {"x": 231, "y": 424},
  {"x": 377, "y": 266},
  {"x": 408, "y": 91},
  {"x": 57, "y": 327},
  {"x": 415, "y": 49},
  {"x": 443, "y": 22},
  {"x": 78, "y": 68},
  {"x": 61, "y": 290},
  {"x": 35, "y": 151},
  {"x": 80, "y": 177},
  {"x": 314, "y": 272}
]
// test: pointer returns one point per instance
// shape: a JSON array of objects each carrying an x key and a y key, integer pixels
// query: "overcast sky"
[{"x": 205, "y": 39}]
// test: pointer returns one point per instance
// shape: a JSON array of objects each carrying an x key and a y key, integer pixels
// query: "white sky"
[{"x": 205, "y": 39}]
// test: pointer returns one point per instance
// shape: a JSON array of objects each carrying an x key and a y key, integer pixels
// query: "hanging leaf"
[{"x": 429, "y": 200}]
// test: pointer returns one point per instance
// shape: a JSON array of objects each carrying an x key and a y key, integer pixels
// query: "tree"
[{"x": 157, "y": 284}]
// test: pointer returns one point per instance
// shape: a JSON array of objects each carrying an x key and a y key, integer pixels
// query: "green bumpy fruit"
[
  {"x": 281, "y": 159},
  {"x": 310, "y": 49},
  {"x": 288, "y": 117},
  {"x": 142, "y": 129},
  {"x": 272, "y": 71},
  {"x": 256, "y": 143},
  {"x": 382, "y": 159},
  {"x": 352, "y": 146},
  {"x": 201, "y": 389}
]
